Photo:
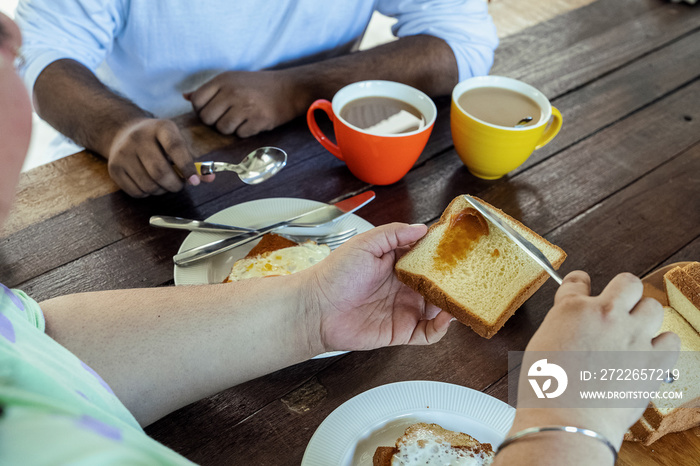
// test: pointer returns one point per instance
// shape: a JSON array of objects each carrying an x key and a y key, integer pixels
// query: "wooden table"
[{"x": 618, "y": 189}]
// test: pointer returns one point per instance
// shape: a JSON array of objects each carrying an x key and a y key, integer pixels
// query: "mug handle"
[
  {"x": 552, "y": 129},
  {"x": 322, "y": 104}
]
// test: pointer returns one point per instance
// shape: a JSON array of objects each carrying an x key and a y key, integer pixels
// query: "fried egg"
[
  {"x": 431, "y": 444},
  {"x": 280, "y": 262},
  {"x": 434, "y": 451}
]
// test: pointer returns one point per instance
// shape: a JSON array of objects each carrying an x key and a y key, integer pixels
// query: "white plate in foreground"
[{"x": 350, "y": 434}]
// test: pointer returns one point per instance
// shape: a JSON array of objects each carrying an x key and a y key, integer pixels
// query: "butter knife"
[
  {"x": 179, "y": 223},
  {"x": 517, "y": 238},
  {"x": 313, "y": 218}
]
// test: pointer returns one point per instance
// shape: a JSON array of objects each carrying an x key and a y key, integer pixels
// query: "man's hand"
[
  {"x": 142, "y": 154},
  {"x": 358, "y": 303},
  {"x": 246, "y": 103},
  {"x": 140, "y": 150}
]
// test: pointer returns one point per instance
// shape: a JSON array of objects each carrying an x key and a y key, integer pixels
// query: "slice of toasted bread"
[
  {"x": 665, "y": 414},
  {"x": 693, "y": 269},
  {"x": 683, "y": 293},
  {"x": 473, "y": 270},
  {"x": 430, "y": 444}
]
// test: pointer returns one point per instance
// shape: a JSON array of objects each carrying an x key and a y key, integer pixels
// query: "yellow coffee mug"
[{"x": 491, "y": 150}]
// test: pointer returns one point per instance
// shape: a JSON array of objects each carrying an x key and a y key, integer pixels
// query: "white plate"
[
  {"x": 253, "y": 214},
  {"x": 350, "y": 434}
]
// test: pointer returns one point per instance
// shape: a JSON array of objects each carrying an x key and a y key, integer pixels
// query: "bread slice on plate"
[
  {"x": 430, "y": 444},
  {"x": 693, "y": 269},
  {"x": 666, "y": 415},
  {"x": 683, "y": 292},
  {"x": 471, "y": 269}
]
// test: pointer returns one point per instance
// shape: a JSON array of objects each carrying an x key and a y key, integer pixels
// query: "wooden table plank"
[
  {"x": 56, "y": 187},
  {"x": 622, "y": 92},
  {"x": 512, "y": 16},
  {"x": 676, "y": 449},
  {"x": 612, "y": 34},
  {"x": 642, "y": 208},
  {"x": 692, "y": 249}
]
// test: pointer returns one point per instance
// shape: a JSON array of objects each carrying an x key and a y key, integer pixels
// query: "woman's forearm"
[
  {"x": 554, "y": 448},
  {"x": 163, "y": 348}
]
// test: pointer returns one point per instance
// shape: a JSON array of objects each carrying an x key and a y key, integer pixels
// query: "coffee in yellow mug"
[{"x": 497, "y": 122}]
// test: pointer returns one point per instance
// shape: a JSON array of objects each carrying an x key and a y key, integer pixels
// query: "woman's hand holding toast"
[{"x": 357, "y": 301}]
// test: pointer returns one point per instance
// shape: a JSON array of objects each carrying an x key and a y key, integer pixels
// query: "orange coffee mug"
[{"x": 381, "y": 128}]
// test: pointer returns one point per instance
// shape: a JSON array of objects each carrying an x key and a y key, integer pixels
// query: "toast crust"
[
  {"x": 270, "y": 242},
  {"x": 432, "y": 292},
  {"x": 640, "y": 432},
  {"x": 382, "y": 456},
  {"x": 693, "y": 269},
  {"x": 685, "y": 284},
  {"x": 677, "y": 421}
]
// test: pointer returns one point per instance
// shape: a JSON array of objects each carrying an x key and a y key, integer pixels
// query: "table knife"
[
  {"x": 517, "y": 238},
  {"x": 320, "y": 216},
  {"x": 179, "y": 223}
]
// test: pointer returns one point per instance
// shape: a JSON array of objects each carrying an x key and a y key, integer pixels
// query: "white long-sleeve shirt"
[{"x": 151, "y": 51}]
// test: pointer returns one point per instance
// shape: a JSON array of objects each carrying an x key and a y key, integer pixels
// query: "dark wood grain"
[
  {"x": 613, "y": 33},
  {"x": 628, "y": 89},
  {"x": 664, "y": 205}
]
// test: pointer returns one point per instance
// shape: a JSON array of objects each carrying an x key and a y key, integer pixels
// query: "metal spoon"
[
  {"x": 524, "y": 121},
  {"x": 258, "y": 166}
]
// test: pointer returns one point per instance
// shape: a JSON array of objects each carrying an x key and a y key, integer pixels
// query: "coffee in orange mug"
[{"x": 381, "y": 128}]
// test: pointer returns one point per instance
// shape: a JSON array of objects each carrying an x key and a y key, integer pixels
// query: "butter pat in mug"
[
  {"x": 381, "y": 128},
  {"x": 484, "y": 119}
]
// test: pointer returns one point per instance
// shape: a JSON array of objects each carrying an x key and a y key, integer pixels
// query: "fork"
[{"x": 333, "y": 240}]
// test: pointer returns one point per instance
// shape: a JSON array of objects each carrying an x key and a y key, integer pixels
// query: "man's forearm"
[
  {"x": 71, "y": 99},
  {"x": 424, "y": 62}
]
